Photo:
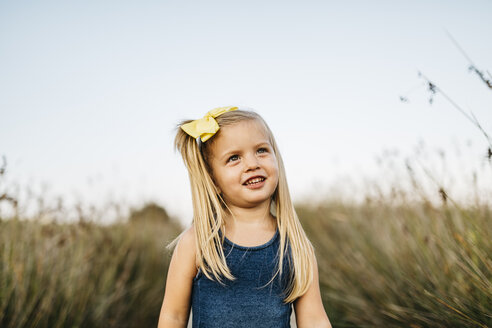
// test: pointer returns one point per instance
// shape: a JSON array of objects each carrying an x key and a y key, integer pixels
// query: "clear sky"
[{"x": 90, "y": 91}]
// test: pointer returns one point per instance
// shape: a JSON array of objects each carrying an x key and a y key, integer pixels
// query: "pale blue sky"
[{"x": 91, "y": 91}]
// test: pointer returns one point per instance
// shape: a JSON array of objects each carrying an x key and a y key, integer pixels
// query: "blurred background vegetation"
[{"x": 84, "y": 274}]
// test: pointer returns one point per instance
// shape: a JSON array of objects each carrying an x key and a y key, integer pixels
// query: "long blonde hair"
[{"x": 209, "y": 211}]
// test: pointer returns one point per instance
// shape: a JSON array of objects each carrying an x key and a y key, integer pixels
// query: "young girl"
[{"x": 245, "y": 260}]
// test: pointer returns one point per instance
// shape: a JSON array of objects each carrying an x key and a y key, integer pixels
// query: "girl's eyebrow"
[{"x": 263, "y": 143}]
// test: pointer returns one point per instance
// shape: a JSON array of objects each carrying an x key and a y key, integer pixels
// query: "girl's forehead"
[
  {"x": 241, "y": 133},
  {"x": 250, "y": 128}
]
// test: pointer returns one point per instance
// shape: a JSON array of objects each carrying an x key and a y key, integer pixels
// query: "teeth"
[{"x": 255, "y": 180}]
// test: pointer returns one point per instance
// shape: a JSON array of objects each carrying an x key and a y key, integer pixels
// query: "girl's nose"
[{"x": 251, "y": 162}]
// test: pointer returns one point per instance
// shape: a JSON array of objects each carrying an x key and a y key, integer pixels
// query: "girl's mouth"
[{"x": 255, "y": 182}]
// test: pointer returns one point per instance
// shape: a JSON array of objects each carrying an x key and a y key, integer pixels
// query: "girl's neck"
[{"x": 251, "y": 218}]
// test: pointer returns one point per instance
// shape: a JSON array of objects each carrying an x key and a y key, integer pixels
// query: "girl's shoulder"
[{"x": 187, "y": 247}]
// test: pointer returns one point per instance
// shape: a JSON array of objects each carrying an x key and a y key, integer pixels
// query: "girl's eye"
[
  {"x": 233, "y": 158},
  {"x": 262, "y": 150}
]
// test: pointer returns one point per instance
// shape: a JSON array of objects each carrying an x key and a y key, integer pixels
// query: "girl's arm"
[
  {"x": 308, "y": 308},
  {"x": 175, "y": 310}
]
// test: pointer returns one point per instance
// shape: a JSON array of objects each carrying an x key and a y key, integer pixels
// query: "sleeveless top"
[{"x": 248, "y": 301}]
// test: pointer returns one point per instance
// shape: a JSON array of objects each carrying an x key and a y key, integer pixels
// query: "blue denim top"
[{"x": 248, "y": 301}]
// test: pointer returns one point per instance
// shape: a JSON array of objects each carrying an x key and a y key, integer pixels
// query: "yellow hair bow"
[{"x": 206, "y": 126}]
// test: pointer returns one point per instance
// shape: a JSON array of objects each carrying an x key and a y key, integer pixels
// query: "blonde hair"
[{"x": 209, "y": 211}]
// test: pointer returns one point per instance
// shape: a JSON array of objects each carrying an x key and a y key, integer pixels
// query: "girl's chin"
[{"x": 256, "y": 202}]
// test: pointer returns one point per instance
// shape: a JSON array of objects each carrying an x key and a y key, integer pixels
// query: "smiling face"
[{"x": 244, "y": 165}]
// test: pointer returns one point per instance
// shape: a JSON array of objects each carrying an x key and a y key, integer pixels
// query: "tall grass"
[
  {"x": 408, "y": 265},
  {"x": 82, "y": 274}
]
